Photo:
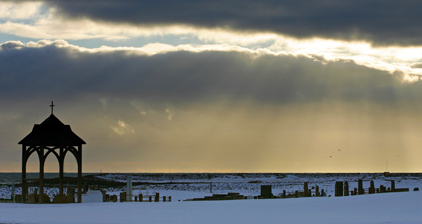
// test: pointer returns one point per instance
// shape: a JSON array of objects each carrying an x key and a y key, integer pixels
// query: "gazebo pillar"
[
  {"x": 42, "y": 161},
  {"x": 79, "y": 158},
  {"x": 24, "y": 182},
  {"x": 61, "y": 170}
]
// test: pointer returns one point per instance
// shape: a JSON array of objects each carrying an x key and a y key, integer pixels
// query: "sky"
[{"x": 216, "y": 86}]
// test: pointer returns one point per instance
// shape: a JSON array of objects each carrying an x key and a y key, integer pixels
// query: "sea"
[{"x": 17, "y": 176}]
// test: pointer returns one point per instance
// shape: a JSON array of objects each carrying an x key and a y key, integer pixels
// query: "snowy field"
[
  {"x": 378, "y": 208},
  {"x": 184, "y": 186}
]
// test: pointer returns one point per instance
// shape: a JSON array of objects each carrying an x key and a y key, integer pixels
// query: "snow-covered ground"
[
  {"x": 200, "y": 185},
  {"x": 376, "y": 208},
  {"x": 185, "y": 186}
]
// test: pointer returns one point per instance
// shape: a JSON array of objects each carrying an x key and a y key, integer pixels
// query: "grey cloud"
[
  {"x": 380, "y": 21},
  {"x": 9, "y": 45},
  {"x": 225, "y": 104},
  {"x": 186, "y": 77},
  {"x": 416, "y": 65}
]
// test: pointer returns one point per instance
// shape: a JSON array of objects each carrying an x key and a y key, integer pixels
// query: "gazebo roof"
[{"x": 52, "y": 132}]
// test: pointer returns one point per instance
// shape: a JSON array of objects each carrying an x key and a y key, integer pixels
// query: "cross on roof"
[{"x": 52, "y": 105}]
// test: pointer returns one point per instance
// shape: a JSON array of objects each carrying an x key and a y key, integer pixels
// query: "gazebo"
[{"x": 51, "y": 137}]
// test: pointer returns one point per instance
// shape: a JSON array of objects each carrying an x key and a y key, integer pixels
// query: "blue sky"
[{"x": 221, "y": 86}]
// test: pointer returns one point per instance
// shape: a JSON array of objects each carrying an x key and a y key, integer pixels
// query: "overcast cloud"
[
  {"x": 209, "y": 110},
  {"x": 216, "y": 86},
  {"x": 378, "y": 21}
]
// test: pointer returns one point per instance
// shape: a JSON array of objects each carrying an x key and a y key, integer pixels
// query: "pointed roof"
[{"x": 52, "y": 132}]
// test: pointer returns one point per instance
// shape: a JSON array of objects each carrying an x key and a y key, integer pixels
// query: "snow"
[
  {"x": 92, "y": 196},
  {"x": 376, "y": 208}
]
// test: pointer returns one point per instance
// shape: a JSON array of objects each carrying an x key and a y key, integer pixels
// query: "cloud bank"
[
  {"x": 379, "y": 22},
  {"x": 210, "y": 111}
]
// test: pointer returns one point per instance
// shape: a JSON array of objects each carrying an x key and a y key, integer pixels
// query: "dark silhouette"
[{"x": 51, "y": 136}]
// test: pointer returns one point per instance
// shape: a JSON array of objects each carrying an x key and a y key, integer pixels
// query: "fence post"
[
  {"x": 169, "y": 198},
  {"x": 317, "y": 191},
  {"x": 157, "y": 197},
  {"x": 150, "y": 198},
  {"x": 141, "y": 198},
  {"x": 164, "y": 198}
]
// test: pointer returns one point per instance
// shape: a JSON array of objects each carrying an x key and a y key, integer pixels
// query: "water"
[{"x": 17, "y": 177}]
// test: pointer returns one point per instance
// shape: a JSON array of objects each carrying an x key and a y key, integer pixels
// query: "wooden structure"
[{"x": 51, "y": 137}]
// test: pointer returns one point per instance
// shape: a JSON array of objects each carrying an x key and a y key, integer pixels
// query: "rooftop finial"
[{"x": 52, "y": 105}]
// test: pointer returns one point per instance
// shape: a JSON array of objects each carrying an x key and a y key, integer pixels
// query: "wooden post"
[
  {"x": 24, "y": 183},
  {"x": 61, "y": 170},
  {"x": 150, "y": 198},
  {"x": 169, "y": 198},
  {"x": 164, "y": 198},
  {"x": 284, "y": 193},
  {"x": 79, "y": 160},
  {"x": 322, "y": 193},
  {"x": 317, "y": 191},
  {"x": 141, "y": 198},
  {"x": 42, "y": 160}
]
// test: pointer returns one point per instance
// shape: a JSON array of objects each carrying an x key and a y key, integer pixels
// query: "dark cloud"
[
  {"x": 186, "y": 77},
  {"x": 380, "y": 21},
  {"x": 229, "y": 110}
]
